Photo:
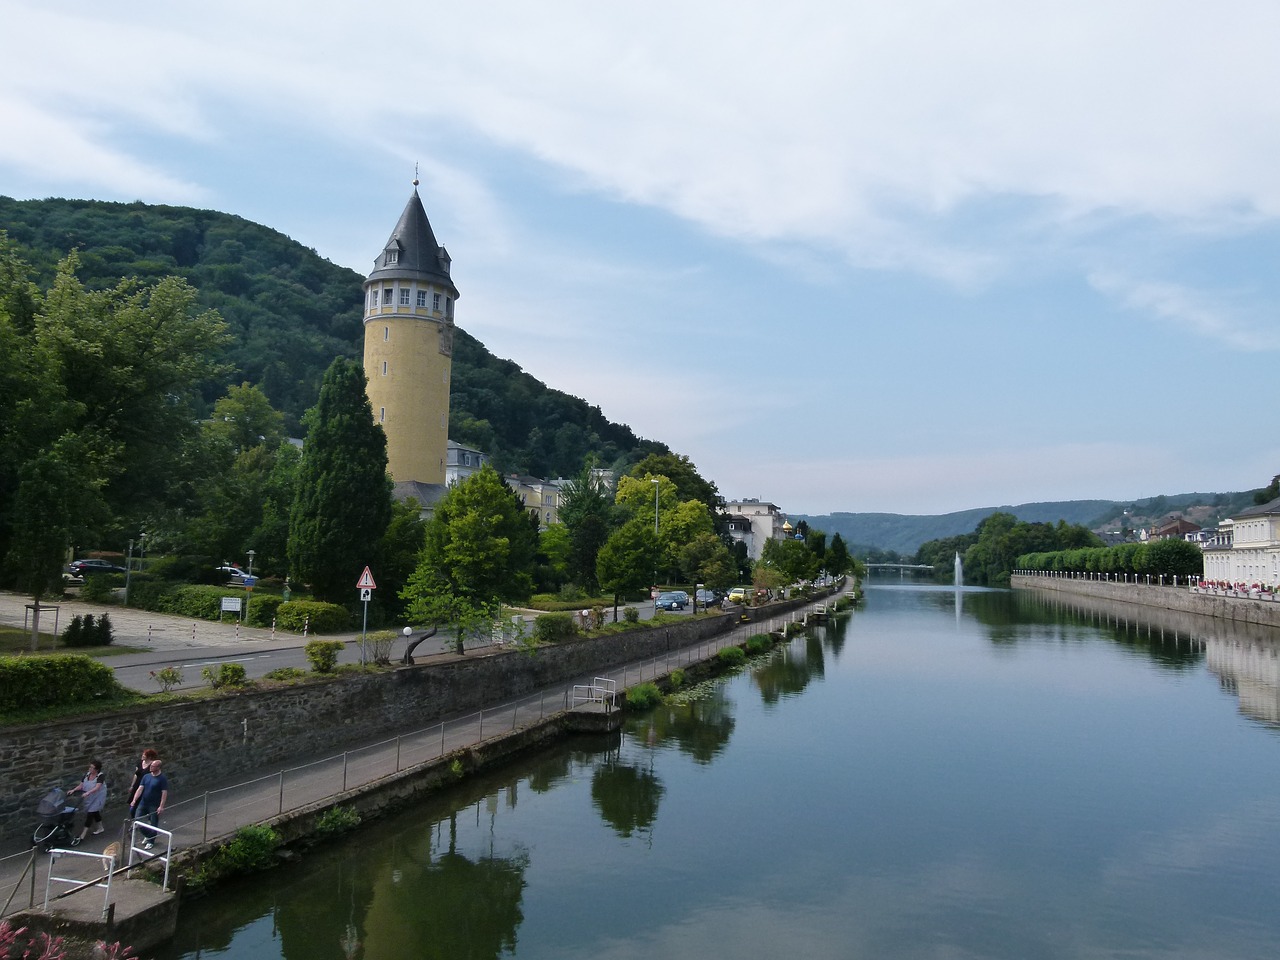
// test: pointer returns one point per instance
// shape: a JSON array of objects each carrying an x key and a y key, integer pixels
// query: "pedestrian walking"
[
  {"x": 144, "y": 766},
  {"x": 149, "y": 801},
  {"x": 94, "y": 790}
]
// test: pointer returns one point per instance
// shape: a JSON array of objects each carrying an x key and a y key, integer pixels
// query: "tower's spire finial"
[{"x": 415, "y": 176}]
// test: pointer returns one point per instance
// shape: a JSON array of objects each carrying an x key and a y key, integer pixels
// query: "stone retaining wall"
[
  {"x": 245, "y": 734},
  {"x": 1264, "y": 613}
]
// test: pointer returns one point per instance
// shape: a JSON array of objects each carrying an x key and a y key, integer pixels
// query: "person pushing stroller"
[{"x": 94, "y": 791}]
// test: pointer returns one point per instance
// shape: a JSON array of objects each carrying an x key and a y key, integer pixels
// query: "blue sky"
[{"x": 912, "y": 257}]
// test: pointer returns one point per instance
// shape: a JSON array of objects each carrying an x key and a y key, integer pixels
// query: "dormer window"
[{"x": 392, "y": 256}]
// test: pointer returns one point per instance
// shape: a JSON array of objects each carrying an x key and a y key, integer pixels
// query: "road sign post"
[{"x": 366, "y": 586}]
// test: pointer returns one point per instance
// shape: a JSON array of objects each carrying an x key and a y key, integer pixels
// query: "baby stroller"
[{"x": 57, "y": 813}]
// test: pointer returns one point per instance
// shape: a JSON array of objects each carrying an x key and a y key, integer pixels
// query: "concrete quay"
[{"x": 1263, "y": 613}]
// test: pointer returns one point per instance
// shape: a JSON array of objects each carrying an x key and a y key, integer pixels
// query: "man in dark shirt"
[{"x": 149, "y": 800}]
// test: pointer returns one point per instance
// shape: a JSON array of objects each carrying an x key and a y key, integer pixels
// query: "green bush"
[
  {"x": 554, "y": 627},
  {"x": 337, "y": 820},
  {"x": 732, "y": 656},
  {"x": 263, "y": 608},
  {"x": 200, "y": 602},
  {"x": 759, "y": 643},
  {"x": 323, "y": 654},
  {"x": 630, "y": 615},
  {"x": 186, "y": 569},
  {"x": 101, "y": 587},
  {"x": 147, "y": 593},
  {"x": 225, "y": 675},
  {"x": 643, "y": 696},
  {"x": 285, "y": 673},
  {"x": 677, "y": 678},
  {"x": 251, "y": 850},
  {"x": 31, "y": 682},
  {"x": 313, "y": 616}
]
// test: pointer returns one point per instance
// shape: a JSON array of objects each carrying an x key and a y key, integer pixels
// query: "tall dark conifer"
[{"x": 343, "y": 501}]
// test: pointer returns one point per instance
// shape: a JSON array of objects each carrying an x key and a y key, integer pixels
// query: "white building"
[
  {"x": 754, "y": 522},
  {"x": 1247, "y": 548},
  {"x": 461, "y": 462}
]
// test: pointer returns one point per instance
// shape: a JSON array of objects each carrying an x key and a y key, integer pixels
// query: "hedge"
[
  {"x": 554, "y": 627},
  {"x": 31, "y": 682},
  {"x": 314, "y": 616}
]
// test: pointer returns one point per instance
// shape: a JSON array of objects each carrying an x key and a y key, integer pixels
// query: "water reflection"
[
  {"x": 1244, "y": 656},
  {"x": 790, "y": 668},
  {"x": 700, "y": 728},
  {"x": 626, "y": 796}
]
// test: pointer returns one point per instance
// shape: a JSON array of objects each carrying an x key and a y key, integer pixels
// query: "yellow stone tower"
[{"x": 408, "y": 349}]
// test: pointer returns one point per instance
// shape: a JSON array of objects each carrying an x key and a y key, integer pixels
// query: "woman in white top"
[{"x": 95, "y": 798}]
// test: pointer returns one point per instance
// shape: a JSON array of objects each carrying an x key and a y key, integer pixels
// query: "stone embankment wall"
[
  {"x": 1264, "y": 613},
  {"x": 253, "y": 732}
]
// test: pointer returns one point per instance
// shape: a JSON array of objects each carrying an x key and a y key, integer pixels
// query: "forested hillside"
[
  {"x": 903, "y": 533},
  {"x": 290, "y": 312}
]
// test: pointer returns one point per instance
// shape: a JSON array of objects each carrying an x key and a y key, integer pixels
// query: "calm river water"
[{"x": 943, "y": 775}]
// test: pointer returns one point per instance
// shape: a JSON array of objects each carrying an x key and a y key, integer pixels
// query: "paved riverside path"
[{"x": 225, "y": 807}]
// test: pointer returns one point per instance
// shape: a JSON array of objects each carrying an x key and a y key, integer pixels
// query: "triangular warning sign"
[{"x": 366, "y": 581}]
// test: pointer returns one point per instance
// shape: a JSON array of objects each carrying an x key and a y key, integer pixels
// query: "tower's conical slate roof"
[{"x": 418, "y": 255}]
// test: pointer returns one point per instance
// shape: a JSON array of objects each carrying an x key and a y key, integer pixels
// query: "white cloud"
[{"x": 1187, "y": 309}]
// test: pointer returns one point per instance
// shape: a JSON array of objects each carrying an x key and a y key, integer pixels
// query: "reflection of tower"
[{"x": 408, "y": 346}]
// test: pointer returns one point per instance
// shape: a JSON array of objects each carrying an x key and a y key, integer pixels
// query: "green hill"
[
  {"x": 903, "y": 533},
  {"x": 291, "y": 312}
]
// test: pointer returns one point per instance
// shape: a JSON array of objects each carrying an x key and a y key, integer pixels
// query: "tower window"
[
  {"x": 384, "y": 368},
  {"x": 404, "y": 297},
  {"x": 386, "y": 296},
  {"x": 435, "y": 302},
  {"x": 422, "y": 298},
  {"x": 386, "y": 333},
  {"x": 448, "y": 306},
  {"x": 382, "y": 414}
]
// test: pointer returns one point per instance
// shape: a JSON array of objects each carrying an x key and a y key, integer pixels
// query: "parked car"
[
  {"x": 739, "y": 594},
  {"x": 231, "y": 572},
  {"x": 672, "y": 600},
  {"x": 83, "y": 568},
  {"x": 708, "y": 598}
]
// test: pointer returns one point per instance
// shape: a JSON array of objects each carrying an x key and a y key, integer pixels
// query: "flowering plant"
[{"x": 168, "y": 677}]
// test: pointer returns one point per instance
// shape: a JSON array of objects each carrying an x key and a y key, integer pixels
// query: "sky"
[{"x": 910, "y": 257}]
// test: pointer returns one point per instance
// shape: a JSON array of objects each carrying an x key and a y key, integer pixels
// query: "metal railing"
[{"x": 79, "y": 883}]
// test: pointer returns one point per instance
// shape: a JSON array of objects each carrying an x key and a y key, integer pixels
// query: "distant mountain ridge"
[{"x": 904, "y": 533}]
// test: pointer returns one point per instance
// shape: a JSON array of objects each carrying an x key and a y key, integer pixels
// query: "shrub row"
[
  {"x": 204, "y": 602},
  {"x": 30, "y": 682}
]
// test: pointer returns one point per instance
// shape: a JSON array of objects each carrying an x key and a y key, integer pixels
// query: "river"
[{"x": 974, "y": 774}]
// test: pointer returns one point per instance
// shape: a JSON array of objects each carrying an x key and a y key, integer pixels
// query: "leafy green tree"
[
  {"x": 555, "y": 546},
  {"x": 627, "y": 560},
  {"x": 792, "y": 558},
  {"x": 679, "y": 470},
  {"x": 837, "y": 559},
  {"x": 478, "y": 552},
  {"x": 587, "y": 514},
  {"x": 343, "y": 501},
  {"x": 1269, "y": 492},
  {"x": 709, "y": 561},
  {"x": 398, "y": 556}
]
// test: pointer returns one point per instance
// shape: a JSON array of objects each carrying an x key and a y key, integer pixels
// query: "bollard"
[
  {"x": 306, "y": 625},
  {"x": 273, "y": 628},
  {"x": 237, "y": 631},
  {"x": 148, "y": 633},
  {"x": 193, "y": 633}
]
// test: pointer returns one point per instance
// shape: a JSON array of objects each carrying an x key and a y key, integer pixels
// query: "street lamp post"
[
  {"x": 657, "y": 485},
  {"x": 249, "y": 587}
]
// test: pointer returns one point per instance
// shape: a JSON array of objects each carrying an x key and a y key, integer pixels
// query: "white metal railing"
[
  {"x": 138, "y": 853},
  {"x": 108, "y": 863},
  {"x": 599, "y": 690}
]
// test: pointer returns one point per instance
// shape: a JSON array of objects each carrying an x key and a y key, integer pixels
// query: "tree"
[
  {"x": 679, "y": 470},
  {"x": 343, "y": 502},
  {"x": 837, "y": 559},
  {"x": 791, "y": 558},
  {"x": 587, "y": 514},
  {"x": 479, "y": 549},
  {"x": 709, "y": 561},
  {"x": 626, "y": 561}
]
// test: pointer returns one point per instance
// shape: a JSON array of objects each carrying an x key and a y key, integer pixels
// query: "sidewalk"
[{"x": 225, "y": 808}]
